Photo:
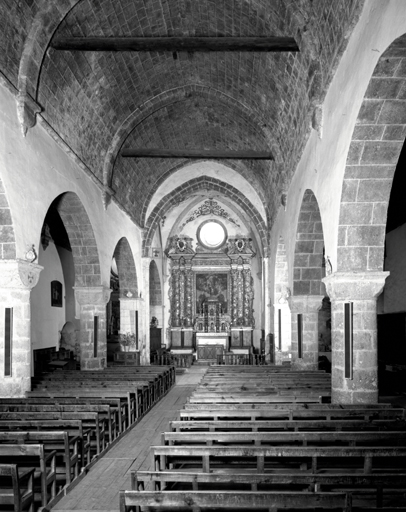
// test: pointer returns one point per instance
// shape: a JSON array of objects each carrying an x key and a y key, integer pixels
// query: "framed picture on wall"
[
  {"x": 56, "y": 294},
  {"x": 212, "y": 285}
]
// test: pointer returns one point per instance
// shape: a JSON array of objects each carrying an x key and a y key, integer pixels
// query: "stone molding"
[
  {"x": 92, "y": 295},
  {"x": 27, "y": 110},
  {"x": 17, "y": 274},
  {"x": 342, "y": 286},
  {"x": 305, "y": 303}
]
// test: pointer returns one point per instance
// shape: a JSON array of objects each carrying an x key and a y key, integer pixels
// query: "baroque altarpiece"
[{"x": 211, "y": 296}]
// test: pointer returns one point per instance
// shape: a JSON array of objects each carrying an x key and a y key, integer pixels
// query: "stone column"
[
  {"x": 189, "y": 294},
  {"x": 240, "y": 293},
  {"x": 308, "y": 306},
  {"x": 233, "y": 301},
  {"x": 17, "y": 279},
  {"x": 92, "y": 302},
  {"x": 248, "y": 297},
  {"x": 362, "y": 289},
  {"x": 145, "y": 316},
  {"x": 175, "y": 302}
]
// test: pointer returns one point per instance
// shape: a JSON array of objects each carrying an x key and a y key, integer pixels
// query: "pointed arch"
[
  {"x": 207, "y": 183},
  {"x": 309, "y": 247},
  {"x": 127, "y": 271}
]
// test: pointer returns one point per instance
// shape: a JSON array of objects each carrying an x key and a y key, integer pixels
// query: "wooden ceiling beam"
[
  {"x": 209, "y": 154},
  {"x": 176, "y": 44}
]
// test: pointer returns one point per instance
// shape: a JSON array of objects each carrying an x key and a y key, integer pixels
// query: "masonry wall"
[
  {"x": 321, "y": 168},
  {"x": 36, "y": 169}
]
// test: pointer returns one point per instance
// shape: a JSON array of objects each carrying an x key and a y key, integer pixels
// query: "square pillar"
[
  {"x": 17, "y": 279},
  {"x": 308, "y": 306},
  {"x": 362, "y": 290},
  {"x": 92, "y": 302}
]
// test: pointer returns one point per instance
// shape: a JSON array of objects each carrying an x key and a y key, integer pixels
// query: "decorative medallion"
[{"x": 209, "y": 207}]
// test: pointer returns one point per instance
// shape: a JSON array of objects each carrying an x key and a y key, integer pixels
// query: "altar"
[
  {"x": 211, "y": 296},
  {"x": 210, "y": 344}
]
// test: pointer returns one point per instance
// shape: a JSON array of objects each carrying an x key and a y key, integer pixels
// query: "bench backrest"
[{"x": 232, "y": 500}]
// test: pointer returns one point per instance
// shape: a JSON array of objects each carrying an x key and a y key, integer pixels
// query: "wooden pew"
[
  {"x": 262, "y": 412},
  {"x": 90, "y": 420},
  {"x": 72, "y": 427},
  {"x": 257, "y": 398},
  {"x": 260, "y": 458},
  {"x": 94, "y": 396},
  {"x": 104, "y": 411},
  {"x": 65, "y": 447},
  {"x": 142, "y": 391},
  {"x": 118, "y": 405},
  {"x": 231, "y": 500},
  {"x": 16, "y": 487},
  {"x": 375, "y": 489},
  {"x": 392, "y": 424},
  {"x": 33, "y": 455},
  {"x": 170, "y": 480},
  {"x": 156, "y": 382},
  {"x": 394, "y": 438}
]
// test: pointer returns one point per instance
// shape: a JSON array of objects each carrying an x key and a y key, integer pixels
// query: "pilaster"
[
  {"x": 17, "y": 279},
  {"x": 362, "y": 290},
  {"x": 308, "y": 306},
  {"x": 92, "y": 302}
]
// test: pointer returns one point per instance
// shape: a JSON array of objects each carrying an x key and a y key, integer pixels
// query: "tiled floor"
[{"x": 98, "y": 491}]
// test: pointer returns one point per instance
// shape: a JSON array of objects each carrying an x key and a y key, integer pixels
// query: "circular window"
[{"x": 212, "y": 234}]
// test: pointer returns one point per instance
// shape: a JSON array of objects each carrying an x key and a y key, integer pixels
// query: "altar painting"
[{"x": 210, "y": 285}]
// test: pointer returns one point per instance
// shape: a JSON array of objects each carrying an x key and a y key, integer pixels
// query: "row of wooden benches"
[
  {"x": 275, "y": 454},
  {"x": 62, "y": 431}
]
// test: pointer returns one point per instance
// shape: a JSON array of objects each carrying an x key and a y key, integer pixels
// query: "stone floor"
[{"x": 98, "y": 491}]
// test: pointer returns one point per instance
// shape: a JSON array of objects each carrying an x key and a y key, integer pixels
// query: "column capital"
[
  {"x": 19, "y": 274},
  {"x": 305, "y": 303},
  {"x": 86, "y": 295},
  {"x": 355, "y": 285}
]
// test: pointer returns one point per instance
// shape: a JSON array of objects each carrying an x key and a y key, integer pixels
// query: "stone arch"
[
  {"x": 237, "y": 166},
  {"x": 282, "y": 325},
  {"x": 127, "y": 271},
  {"x": 162, "y": 100},
  {"x": 81, "y": 238},
  {"x": 43, "y": 26},
  {"x": 192, "y": 186},
  {"x": 7, "y": 236},
  {"x": 308, "y": 288},
  {"x": 308, "y": 267},
  {"x": 376, "y": 144}
]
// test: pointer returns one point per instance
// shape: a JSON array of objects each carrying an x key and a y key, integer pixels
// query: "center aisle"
[{"x": 98, "y": 491}]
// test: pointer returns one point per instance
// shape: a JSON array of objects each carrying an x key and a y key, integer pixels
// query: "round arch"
[
  {"x": 81, "y": 238},
  {"x": 375, "y": 148}
]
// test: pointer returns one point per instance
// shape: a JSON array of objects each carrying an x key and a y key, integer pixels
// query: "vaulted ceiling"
[{"x": 102, "y": 102}]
